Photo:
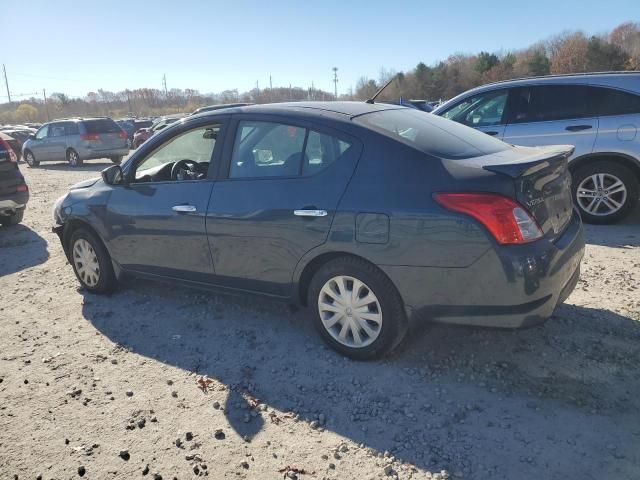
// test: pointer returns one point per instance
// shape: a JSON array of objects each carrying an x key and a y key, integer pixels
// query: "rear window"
[
  {"x": 432, "y": 134},
  {"x": 606, "y": 101},
  {"x": 102, "y": 125}
]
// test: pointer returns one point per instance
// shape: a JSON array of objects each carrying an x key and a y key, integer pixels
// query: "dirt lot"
[{"x": 164, "y": 382}]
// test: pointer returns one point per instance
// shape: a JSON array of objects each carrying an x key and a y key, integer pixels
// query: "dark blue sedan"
[{"x": 372, "y": 215}]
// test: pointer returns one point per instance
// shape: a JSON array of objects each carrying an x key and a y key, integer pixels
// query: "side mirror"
[
  {"x": 113, "y": 175},
  {"x": 32, "y": 136}
]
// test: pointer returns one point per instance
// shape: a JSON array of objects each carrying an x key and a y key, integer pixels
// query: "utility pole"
[
  {"x": 335, "y": 81},
  {"x": 6, "y": 82},
  {"x": 46, "y": 106},
  {"x": 290, "y": 95},
  {"x": 270, "y": 89},
  {"x": 164, "y": 83}
]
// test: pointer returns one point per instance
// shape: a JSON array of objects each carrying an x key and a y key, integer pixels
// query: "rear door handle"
[
  {"x": 577, "y": 128},
  {"x": 183, "y": 208},
  {"x": 310, "y": 213},
  {"x": 492, "y": 133}
]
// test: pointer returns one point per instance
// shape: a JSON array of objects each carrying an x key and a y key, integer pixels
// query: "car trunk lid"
[{"x": 542, "y": 182}]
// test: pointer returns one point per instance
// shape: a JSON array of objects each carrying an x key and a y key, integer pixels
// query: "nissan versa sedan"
[{"x": 374, "y": 216}]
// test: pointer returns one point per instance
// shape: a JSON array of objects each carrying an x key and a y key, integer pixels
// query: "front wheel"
[
  {"x": 604, "y": 192},
  {"x": 30, "y": 159},
  {"x": 116, "y": 160},
  {"x": 91, "y": 262},
  {"x": 73, "y": 158},
  {"x": 357, "y": 309}
]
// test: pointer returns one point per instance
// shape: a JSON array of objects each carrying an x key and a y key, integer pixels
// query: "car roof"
[
  {"x": 337, "y": 110},
  {"x": 622, "y": 80}
]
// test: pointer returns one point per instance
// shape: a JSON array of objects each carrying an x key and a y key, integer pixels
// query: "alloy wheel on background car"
[{"x": 601, "y": 194}]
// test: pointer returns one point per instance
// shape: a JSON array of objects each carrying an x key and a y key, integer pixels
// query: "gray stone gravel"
[{"x": 558, "y": 401}]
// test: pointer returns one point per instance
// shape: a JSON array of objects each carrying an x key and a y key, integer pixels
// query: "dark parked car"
[
  {"x": 143, "y": 134},
  {"x": 14, "y": 140},
  {"x": 14, "y": 193},
  {"x": 372, "y": 215},
  {"x": 76, "y": 140}
]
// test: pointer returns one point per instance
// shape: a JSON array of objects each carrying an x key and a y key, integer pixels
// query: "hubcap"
[
  {"x": 73, "y": 158},
  {"x": 86, "y": 262},
  {"x": 350, "y": 311},
  {"x": 29, "y": 158},
  {"x": 601, "y": 194}
]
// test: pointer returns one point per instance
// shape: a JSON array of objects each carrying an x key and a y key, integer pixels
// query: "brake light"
[
  {"x": 12, "y": 155},
  {"x": 506, "y": 220},
  {"x": 90, "y": 137},
  {"x": 22, "y": 188},
  {"x": 122, "y": 134}
]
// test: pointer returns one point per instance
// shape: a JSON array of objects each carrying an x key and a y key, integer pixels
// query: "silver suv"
[
  {"x": 76, "y": 140},
  {"x": 597, "y": 113}
]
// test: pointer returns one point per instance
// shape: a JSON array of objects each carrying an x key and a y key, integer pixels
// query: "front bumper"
[{"x": 509, "y": 286}]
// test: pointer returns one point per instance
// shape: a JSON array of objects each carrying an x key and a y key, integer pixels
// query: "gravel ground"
[{"x": 163, "y": 382}]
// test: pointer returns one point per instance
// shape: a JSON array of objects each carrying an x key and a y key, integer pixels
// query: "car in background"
[
  {"x": 76, "y": 140},
  {"x": 372, "y": 215},
  {"x": 211, "y": 108},
  {"x": 128, "y": 126},
  {"x": 14, "y": 193},
  {"x": 18, "y": 138},
  {"x": 143, "y": 134},
  {"x": 597, "y": 113}
]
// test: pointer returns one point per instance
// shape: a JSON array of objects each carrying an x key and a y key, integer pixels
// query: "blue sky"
[{"x": 76, "y": 47}]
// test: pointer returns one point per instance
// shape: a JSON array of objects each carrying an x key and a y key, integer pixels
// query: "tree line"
[{"x": 569, "y": 52}]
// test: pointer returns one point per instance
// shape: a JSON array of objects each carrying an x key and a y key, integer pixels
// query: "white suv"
[{"x": 598, "y": 113}]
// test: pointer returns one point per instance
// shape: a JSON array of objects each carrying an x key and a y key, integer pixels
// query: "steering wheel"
[{"x": 185, "y": 164}]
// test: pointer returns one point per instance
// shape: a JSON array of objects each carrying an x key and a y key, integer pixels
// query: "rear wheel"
[
  {"x": 73, "y": 158},
  {"x": 357, "y": 310},
  {"x": 30, "y": 159},
  {"x": 116, "y": 160},
  {"x": 12, "y": 219},
  {"x": 604, "y": 192},
  {"x": 91, "y": 262}
]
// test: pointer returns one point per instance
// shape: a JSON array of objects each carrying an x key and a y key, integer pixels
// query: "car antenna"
[{"x": 373, "y": 99}]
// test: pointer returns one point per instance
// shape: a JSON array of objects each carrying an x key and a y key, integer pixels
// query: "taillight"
[
  {"x": 22, "y": 188},
  {"x": 122, "y": 135},
  {"x": 12, "y": 155},
  {"x": 505, "y": 218},
  {"x": 90, "y": 137}
]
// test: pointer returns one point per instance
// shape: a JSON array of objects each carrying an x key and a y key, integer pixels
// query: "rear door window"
[
  {"x": 56, "y": 130},
  {"x": 268, "y": 149},
  {"x": 607, "y": 101},
  {"x": 71, "y": 128},
  {"x": 549, "y": 102},
  {"x": 101, "y": 125}
]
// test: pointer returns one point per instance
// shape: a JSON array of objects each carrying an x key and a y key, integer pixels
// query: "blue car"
[{"x": 373, "y": 216}]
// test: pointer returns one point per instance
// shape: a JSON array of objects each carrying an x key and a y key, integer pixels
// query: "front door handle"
[
  {"x": 492, "y": 133},
  {"x": 184, "y": 208},
  {"x": 577, "y": 128},
  {"x": 310, "y": 213}
]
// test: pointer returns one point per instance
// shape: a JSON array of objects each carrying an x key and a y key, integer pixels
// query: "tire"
[
  {"x": 86, "y": 250},
  {"x": 73, "y": 158},
  {"x": 30, "y": 159},
  {"x": 595, "y": 202},
  {"x": 387, "y": 307},
  {"x": 116, "y": 160},
  {"x": 14, "y": 219}
]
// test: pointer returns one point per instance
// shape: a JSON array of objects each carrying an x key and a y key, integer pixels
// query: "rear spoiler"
[{"x": 528, "y": 165}]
